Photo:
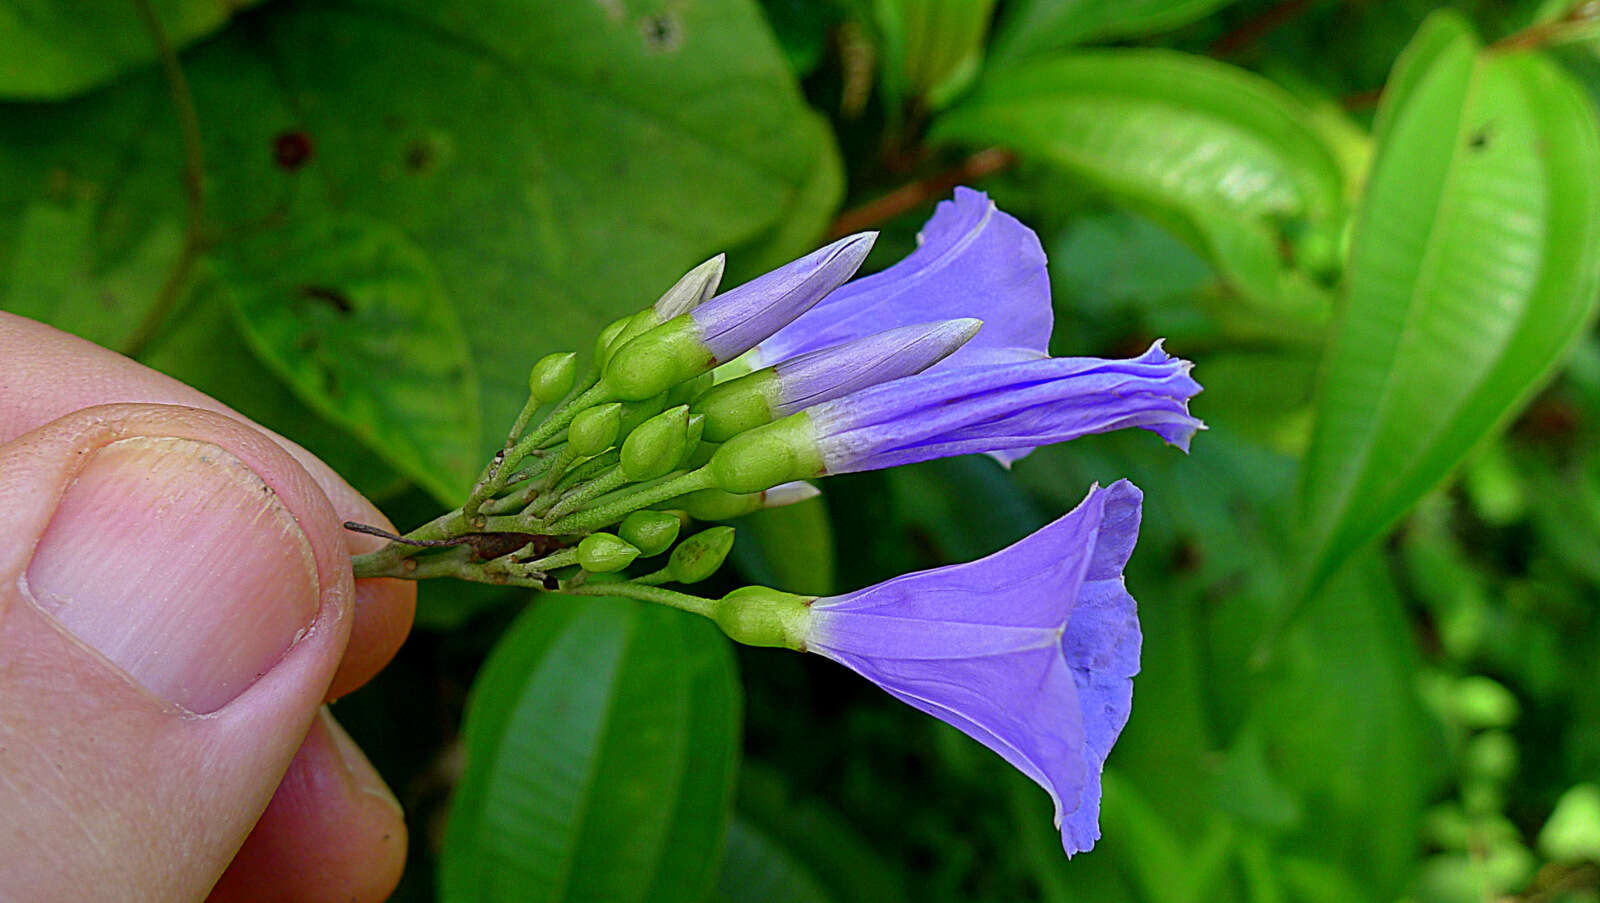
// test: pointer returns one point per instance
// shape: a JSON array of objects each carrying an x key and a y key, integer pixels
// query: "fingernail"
[
  {"x": 355, "y": 762},
  {"x": 174, "y": 560}
]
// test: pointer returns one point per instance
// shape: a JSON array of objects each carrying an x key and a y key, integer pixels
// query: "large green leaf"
[
  {"x": 932, "y": 47},
  {"x": 755, "y": 869},
  {"x": 554, "y": 165},
  {"x": 351, "y": 313},
  {"x": 602, "y": 739},
  {"x": 1032, "y": 27},
  {"x": 56, "y": 48},
  {"x": 1222, "y": 156},
  {"x": 1474, "y": 266}
]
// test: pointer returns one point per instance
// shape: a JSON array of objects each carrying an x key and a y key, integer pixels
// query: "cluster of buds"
[{"x": 705, "y": 406}]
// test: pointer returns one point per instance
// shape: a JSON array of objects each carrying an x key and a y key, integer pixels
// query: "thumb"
[{"x": 175, "y": 595}]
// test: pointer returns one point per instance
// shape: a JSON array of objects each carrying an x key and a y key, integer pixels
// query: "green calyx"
[
  {"x": 656, "y": 446},
  {"x": 656, "y": 360},
  {"x": 553, "y": 376},
  {"x": 699, "y": 556},
  {"x": 761, "y": 616},
  {"x": 738, "y": 404},
  {"x": 603, "y": 553},
  {"x": 714, "y": 504},
  {"x": 763, "y": 457},
  {"x": 651, "y": 532},
  {"x": 595, "y": 429}
]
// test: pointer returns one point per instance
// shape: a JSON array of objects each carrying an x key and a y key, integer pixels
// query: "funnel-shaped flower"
[
  {"x": 998, "y": 407},
  {"x": 972, "y": 260},
  {"x": 799, "y": 382},
  {"x": 720, "y": 329},
  {"x": 985, "y": 408},
  {"x": 1030, "y": 651}
]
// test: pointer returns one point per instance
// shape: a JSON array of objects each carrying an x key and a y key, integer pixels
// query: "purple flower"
[
  {"x": 816, "y": 376},
  {"x": 1029, "y": 651},
  {"x": 733, "y": 322},
  {"x": 1000, "y": 407},
  {"x": 973, "y": 260}
]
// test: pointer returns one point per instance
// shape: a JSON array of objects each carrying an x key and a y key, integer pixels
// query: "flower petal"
[{"x": 973, "y": 260}]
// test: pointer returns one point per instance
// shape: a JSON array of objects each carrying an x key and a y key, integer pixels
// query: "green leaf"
[
  {"x": 57, "y": 278},
  {"x": 205, "y": 350},
  {"x": 602, "y": 739},
  {"x": 755, "y": 869},
  {"x": 844, "y": 863},
  {"x": 555, "y": 167},
  {"x": 1033, "y": 27},
  {"x": 1221, "y": 156},
  {"x": 1474, "y": 266},
  {"x": 51, "y": 49},
  {"x": 932, "y": 48},
  {"x": 351, "y": 314},
  {"x": 789, "y": 548},
  {"x": 1344, "y": 731}
]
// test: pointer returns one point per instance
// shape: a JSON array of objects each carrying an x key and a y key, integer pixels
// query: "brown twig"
[
  {"x": 193, "y": 183},
  {"x": 1257, "y": 27},
  {"x": 1581, "y": 15},
  {"x": 910, "y": 197}
]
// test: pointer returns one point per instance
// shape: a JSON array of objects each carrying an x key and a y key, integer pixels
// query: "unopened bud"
[
  {"x": 696, "y": 286},
  {"x": 651, "y": 532},
  {"x": 684, "y": 393},
  {"x": 657, "y": 360},
  {"x": 606, "y": 342},
  {"x": 691, "y": 439},
  {"x": 699, "y": 556},
  {"x": 760, "y": 616},
  {"x": 553, "y": 376},
  {"x": 656, "y": 446},
  {"x": 714, "y": 504},
  {"x": 738, "y": 404},
  {"x": 759, "y": 459},
  {"x": 595, "y": 429},
  {"x": 785, "y": 494},
  {"x": 602, "y": 553}
]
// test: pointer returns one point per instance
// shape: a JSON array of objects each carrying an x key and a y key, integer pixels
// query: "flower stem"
[
  {"x": 631, "y": 590},
  {"x": 609, "y": 512}
]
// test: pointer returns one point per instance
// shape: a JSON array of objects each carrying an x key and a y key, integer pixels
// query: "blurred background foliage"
[{"x": 1372, "y": 641}]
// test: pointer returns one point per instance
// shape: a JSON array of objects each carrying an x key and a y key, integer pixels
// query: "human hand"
[{"x": 176, "y": 604}]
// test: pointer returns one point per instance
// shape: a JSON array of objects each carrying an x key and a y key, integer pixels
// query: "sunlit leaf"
[
  {"x": 1221, "y": 156},
  {"x": 1033, "y": 27},
  {"x": 1474, "y": 266},
  {"x": 602, "y": 739},
  {"x": 56, "y": 48}
]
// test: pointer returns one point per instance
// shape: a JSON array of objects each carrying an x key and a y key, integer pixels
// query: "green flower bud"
[
  {"x": 656, "y": 446},
  {"x": 553, "y": 376},
  {"x": 635, "y": 326},
  {"x": 603, "y": 553},
  {"x": 607, "y": 341},
  {"x": 684, "y": 393},
  {"x": 738, "y": 404},
  {"x": 759, "y": 616},
  {"x": 595, "y": 429},
  {"x": 761, "y": 458},
  {"x": 691, "y": 439},
  {"x": 699, "y": 556},
  {"x": 651, "y": 532},
  {"x": 637, "y": 412},
  {"x": 657, "y": 360},
  {"x": 714, "y": 504}
]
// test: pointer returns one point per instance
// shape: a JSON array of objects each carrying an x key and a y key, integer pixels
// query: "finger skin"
[
  {"x": 332, "y": 833},
  {"x": 46, "y": 373},
  {"x": 102, "y": 784}
]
